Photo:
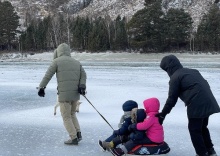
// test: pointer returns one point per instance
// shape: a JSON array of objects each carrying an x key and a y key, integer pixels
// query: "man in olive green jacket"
[{"x": 71, "y": 80}]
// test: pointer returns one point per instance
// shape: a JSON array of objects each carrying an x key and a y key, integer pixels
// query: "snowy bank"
[{"x": 112, "y": 57}]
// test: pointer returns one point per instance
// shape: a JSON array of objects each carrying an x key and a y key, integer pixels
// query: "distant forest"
[{"x": 150, "y": 30}]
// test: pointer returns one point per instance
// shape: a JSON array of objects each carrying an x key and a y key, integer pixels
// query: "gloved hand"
[
  {"x": 132, "y": 127},
  {"x": 41, "y": 92},
  {"x": 82, "y": 89},
  {"x": 161, "y": 116}
]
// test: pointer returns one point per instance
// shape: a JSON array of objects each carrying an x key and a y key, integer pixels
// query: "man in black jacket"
[{"x": 190, "y": 86}]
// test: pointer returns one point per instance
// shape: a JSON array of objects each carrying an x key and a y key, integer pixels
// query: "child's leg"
[
  {"x": 110, "y": 138},
  {"x": 119, "y": 140},
  {"x": 128, "y": 146}
]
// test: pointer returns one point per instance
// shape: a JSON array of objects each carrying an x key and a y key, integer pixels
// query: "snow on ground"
[
  {"x": 28, "y": 126},
  {"x": 112, "y": 57}
]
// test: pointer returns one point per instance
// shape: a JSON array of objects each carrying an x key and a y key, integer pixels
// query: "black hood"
[
  {"x": 170, "y": 64},
  {"x": 141, "y": 115}
]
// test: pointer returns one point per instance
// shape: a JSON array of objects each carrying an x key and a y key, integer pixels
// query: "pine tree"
[
  {"x": 121, "y": 41},
  {"x": 77, "y": 40},
  {"x": 85, "y": 32},
  {"x": 41, "y": 35},
  {"x": 208, "y": 34},
  {"x": 145, "y": 28},
  {"x": 27, "y": 38},
  {"x": 103, "y": 35},
  {"x": 9, "y": 21},
  {"x": 98, "y": 36},
  {"x": 93, "y": 39},
  {"x": 149, "y": 2},
  {"x": 178, "y": 26},
  {"x": 112, "y": 35}
]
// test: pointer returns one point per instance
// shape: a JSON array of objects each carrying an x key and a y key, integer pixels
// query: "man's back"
[{"x": 195, "y": 91}]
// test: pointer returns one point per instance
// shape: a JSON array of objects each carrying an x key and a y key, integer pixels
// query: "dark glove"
[
  {"x": 161, "y": 116},
  {"x": 41, "y": 92},
  {"x": 132, "y": 127},
  {"x": 116, "y": 132},
  {"x": 82, "y": 89}
]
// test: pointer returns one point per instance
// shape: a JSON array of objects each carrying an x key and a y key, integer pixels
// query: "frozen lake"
[{"x": 28, "y": 126}]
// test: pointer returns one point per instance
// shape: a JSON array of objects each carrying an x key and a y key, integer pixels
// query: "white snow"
[{"x": 28, "y": 126}]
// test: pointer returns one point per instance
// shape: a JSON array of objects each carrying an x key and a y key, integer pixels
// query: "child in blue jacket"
[{"x": 123, "y": 126}]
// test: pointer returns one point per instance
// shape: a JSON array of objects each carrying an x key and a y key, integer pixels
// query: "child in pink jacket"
[{"x": 153, "y": 129}]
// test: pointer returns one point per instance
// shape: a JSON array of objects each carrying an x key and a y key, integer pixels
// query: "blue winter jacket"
[{"x": 124, "y": 128}]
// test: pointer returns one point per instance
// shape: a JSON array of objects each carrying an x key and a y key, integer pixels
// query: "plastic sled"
[{"x": 150, "y": 149}]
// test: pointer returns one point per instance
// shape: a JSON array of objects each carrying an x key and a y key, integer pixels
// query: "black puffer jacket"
[
  {"x": 190, "y": 87},
  {"x": 137, "y": 135}
]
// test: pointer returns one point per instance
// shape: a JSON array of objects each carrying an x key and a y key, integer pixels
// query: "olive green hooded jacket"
[{"x": 69, "y": 72}]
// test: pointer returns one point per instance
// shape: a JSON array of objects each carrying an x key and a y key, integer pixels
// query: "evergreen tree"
[
  {"x": 149, "y": 2},
  {"x": 37, "y": 35},
  {"x": 208, "y": 33},
  {"x": 28, "y": 40},
  {"x": 121, "y": 41},
  {"x": 86, "y": 29},
  {"x": 178, "y": 26},
  {"x": 93, "y": 39},
  {"x": 41, "y": 35},
  {"x": 9, "y": 22},
  {"x": 112, "y": 35},
  {"x": 145, "y": 28},
  {"x": 98, "y": 36},
  {"x": 77, "y": 30}
]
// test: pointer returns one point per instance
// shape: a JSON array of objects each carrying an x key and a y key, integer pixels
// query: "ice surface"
[{"x": 29, "y": 128}]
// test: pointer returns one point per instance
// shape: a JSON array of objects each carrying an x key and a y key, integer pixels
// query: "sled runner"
[{"x": 149, "y": 149}]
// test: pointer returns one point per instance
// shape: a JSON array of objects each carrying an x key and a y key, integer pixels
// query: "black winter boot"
[
  {"x": 79, "y": 136},
  {"x": 206, "y": 154},
  {"x": 211, "y": 152}
]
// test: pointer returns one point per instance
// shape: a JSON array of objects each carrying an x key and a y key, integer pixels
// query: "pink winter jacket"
[{"x": 154, "y": 131}]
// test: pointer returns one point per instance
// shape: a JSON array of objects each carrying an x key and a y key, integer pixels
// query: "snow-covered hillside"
[
  {"x": 113, "y": 8},
  {"x": 109, "y": 8}
]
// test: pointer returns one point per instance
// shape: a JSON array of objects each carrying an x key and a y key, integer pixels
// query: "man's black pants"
[{"x": 200, "y": 135}]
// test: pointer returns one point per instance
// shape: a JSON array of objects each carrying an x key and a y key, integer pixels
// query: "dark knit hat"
[
  {"x": 129, "y": 105},
  {"x": 141, "y": 115}
]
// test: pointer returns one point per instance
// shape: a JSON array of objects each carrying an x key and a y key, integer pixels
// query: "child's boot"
[
  {"x": 117, "y": 151},
  {"x": 101, "y": 145},
  {"x": 108, "y": 145}
]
